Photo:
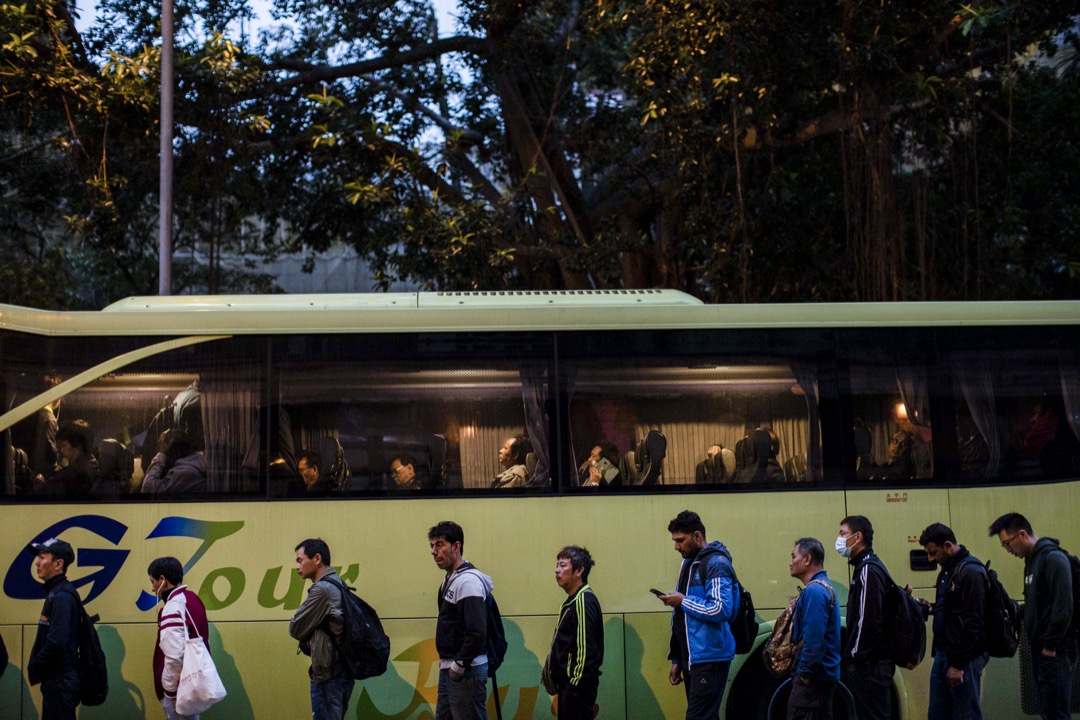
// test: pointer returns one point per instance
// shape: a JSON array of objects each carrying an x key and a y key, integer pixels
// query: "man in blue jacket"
[
  {"x": 817, "y": 626},
  {"x": 53, "y": 657},
  {"x": 704, "y": 601}
]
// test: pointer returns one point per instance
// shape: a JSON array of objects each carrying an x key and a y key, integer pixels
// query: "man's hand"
[
  {"x": 955, "y": 677},
  {"x": 1047, "y": 652},
  {"x": 456, "y": 670},
  {"x": 675, "y": 674},
  {"x": 673, "y": 599}
]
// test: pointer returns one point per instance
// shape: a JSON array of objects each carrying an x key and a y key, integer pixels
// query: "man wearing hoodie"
[
  {"x": 318, "y": 625},
  {"x": 1048, "y": 606},
  {"x": 461, "y": 630},
  {"x": 705, "y": 599}
]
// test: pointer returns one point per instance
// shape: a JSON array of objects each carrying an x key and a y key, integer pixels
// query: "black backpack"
[
  {"x": 905, "y": 626},
  {"x": 364, "y": 646},
  {"x": 1001, "y": 617},
  {"x": 744, "y": 624},
  {"x": 1074, "y": 572},
  {"x": 90, "y": 661}
]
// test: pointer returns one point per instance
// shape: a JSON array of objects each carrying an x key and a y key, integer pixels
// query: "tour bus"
[{"x": 614, "y": 410}]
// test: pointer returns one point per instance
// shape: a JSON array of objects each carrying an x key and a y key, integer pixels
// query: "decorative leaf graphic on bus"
[
  {"x": 209, "y": 531},
  {"x": 424, "y": 696},
  {"x": 20, "y": 584}
]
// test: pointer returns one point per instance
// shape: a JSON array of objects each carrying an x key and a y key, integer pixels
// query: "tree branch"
[{"x": 308, "y": 73}]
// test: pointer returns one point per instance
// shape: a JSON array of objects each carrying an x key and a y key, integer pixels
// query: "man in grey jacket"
[
  {"x": 318, "y": 625},
  {"x": 1048, "y": 610}
]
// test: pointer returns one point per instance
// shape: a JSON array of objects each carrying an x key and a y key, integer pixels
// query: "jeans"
[
  {"x": 959, "y": 703},
  {"x": 330, "y": 698},
  {"x": 871, "y": 684},
  {"x": 463, "y": 698},
  {"x": 168, "y": 704},
  {"x": 576, "y": 703},
  {"x": 1053, "y": 679},
  {"x": 810, "y": 700},
  {"x": 60, "y": 697},
  {"x": 705, "y": 683}
]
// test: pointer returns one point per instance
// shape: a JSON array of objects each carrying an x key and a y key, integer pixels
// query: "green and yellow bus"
[{"x": 772, "y": 422}]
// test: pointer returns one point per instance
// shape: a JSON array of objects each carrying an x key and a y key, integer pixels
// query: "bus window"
[
  {"x": 1013, "y": 417},
  {"x": 892, "y": 434},
  {"x": 403, "y": 421},
  {"x": 725, "y": 422}
]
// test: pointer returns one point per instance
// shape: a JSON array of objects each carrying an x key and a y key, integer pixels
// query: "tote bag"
[{"x": 200, "y": 686}]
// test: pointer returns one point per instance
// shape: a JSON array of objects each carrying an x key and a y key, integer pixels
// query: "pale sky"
[{"x": 444, "y": 14}]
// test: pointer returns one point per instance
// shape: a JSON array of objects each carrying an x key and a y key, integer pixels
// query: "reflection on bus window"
[
  {"x": 1013, "y": 414},
  {"x": 892, "y": 435},
  {"x": 722, "y": 423}
]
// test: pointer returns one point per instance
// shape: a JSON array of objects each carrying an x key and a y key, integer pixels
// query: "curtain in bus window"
[
  {"x": 977, "y": 385},
  {"x": 685, "y": 442},
  {"x": 806, "y": 376},
  {"x": 1070, "y": 389},
  {"x": 913, "y": 392},
  {"x": 231, "y": 410},
  {"x": 532, "y": 393},
  {"x": 480, "y": 446}
]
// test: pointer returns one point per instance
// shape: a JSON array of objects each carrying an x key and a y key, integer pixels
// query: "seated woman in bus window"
[
  {"x": 601, "y": 467},
  {"x": 177, "y": 467},
  {"x": 899, "y": 465},
  {"x": 79, "y": 470},
  {"x": 512, "y": 458}
]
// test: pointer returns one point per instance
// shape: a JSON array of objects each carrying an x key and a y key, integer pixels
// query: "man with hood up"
[
  {"x": 705, "y": 599},
  {"x": 461, "y": 630}
]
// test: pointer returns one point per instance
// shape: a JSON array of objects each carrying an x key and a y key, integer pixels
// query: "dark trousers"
[
  {"x": 1053, "y": 678},
  {"x": 871, "y": 684},
  {"x": 60, "y": 697},
  {"x": 704, "y": 684},
  {"x": 810, "y": 699},
  {"x": 576, "y": 703}
]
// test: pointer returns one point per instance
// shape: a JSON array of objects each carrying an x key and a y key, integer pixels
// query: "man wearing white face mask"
[
  {"x": 181, "y": 607},
  {"x": 867, "y": 668}
]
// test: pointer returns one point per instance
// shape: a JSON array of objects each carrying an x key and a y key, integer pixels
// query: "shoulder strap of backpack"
[
  {"x": 827, "y": 586},
  {"x": 721, "y": 559}
]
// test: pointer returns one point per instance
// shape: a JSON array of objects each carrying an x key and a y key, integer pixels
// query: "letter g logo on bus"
[{"x": 21, "y": 585}]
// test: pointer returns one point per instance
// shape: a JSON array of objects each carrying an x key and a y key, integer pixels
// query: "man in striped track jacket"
[{"x": 577, "y": 650}]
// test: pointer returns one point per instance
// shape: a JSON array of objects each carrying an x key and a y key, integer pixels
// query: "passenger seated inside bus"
[
  {"x": 36, "y": 435},
  {"x": 717, "y": 467},
  {"x": 116, "y": 464},
  {"x": 1050, "y": 439},
  {"x": 899, "y": 465},
  {"x": 601, "y": 467},
  {"x": 313, "y": 481},
  {"x": 177, "y": 467},
  {"x": 512, "y": 458},
  {"x": 403, "y": 473},
  {"x": 79, "y": 470}
]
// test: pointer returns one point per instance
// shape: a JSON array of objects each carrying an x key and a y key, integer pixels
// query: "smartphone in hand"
[{"x": 656, "y": 592}]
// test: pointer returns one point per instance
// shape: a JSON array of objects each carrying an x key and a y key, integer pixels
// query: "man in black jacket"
[
  {"x": 461, "y": 630},
  {"x": 959, "y": 630},
  {"x": 577, "y": 650},
  {"x": 53, "y": 657},
  {"x": 1048, "y": 606},
  {"x": 868, "y": 670}
]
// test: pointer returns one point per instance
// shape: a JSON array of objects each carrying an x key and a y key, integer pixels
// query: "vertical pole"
[{"x": 165, "y": 215}]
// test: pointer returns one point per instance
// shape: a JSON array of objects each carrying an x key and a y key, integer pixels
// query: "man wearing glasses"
[
  {"x": 1048, "y": 610},
  {"x": 403, "y": 473}
]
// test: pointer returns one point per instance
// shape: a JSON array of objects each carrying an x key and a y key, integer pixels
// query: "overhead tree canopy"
[{"x": 743, "y": 152}]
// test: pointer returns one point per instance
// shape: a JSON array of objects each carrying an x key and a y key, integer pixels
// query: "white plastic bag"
[{"x": 200, "y": 686}]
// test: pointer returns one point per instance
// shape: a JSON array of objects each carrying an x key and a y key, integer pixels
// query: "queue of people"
[{"x": 702, "y": 646}]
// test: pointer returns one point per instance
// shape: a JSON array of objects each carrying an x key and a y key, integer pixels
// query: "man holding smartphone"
[{"x": 704, "y": 601}]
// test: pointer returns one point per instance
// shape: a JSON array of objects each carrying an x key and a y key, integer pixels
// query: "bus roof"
[{"x": 510, "y": 311}]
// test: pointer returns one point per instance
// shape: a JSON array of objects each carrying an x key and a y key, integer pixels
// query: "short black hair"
[
  {"x": 579, "y": 557},
  {"x": 1011, "y": 522},
  {"x": 311, "y": 458},
  {"x": 812, "y": 547},
  {"x": 404, "y": 459},
  {"x": 687, "y": 521},
  {"x": 860, "y": 524},
  {"x": 77, "y": 434},
  {"x": 449, "y": 531},
  {"x": 169, "y": 567},
  {"x": 316, "y": 546},
  {"x": 938, "y": 534}
]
